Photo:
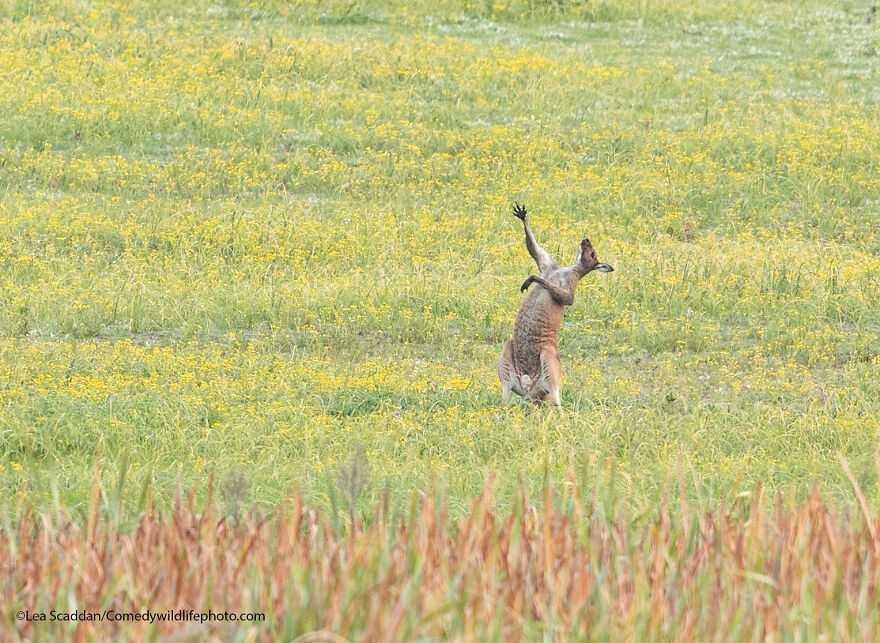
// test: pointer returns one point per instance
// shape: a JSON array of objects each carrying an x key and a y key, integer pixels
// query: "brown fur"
[{"x": 529, "y": 364}]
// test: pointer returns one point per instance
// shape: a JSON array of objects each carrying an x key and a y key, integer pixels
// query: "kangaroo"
[{"x": 529, "y": 364}]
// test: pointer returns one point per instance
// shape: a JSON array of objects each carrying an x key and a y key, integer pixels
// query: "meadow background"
[
  {"x": 256, "y": 240},
  {"x": 269, "y": 244}
]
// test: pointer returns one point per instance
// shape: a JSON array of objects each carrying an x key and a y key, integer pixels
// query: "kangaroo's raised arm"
[{"x": 541, "y": 256}]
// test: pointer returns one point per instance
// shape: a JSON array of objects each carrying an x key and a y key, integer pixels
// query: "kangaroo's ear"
[{"x": 586, "y": 254}]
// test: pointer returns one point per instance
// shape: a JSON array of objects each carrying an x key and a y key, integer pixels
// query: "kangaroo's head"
[{"x": 587, "y": 261}]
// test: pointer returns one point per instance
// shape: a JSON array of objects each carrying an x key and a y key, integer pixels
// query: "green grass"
[{"x": 251, "y": 239}]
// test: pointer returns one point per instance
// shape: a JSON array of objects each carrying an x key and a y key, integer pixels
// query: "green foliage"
[{"x": 249, "y": 239}]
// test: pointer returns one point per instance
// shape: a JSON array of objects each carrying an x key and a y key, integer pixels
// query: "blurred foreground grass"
[{"x": 252, "y": 239}]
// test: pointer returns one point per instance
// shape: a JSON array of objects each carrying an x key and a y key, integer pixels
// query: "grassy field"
[{"x": 256, "y": 240}]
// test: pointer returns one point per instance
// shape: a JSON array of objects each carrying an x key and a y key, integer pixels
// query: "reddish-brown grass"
[{"x": 567, "y": 569}]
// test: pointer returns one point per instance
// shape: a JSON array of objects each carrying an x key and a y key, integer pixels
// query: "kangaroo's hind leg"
[
  {"x": 510, "y": 381},
  {"x": 547, "y": 388}
]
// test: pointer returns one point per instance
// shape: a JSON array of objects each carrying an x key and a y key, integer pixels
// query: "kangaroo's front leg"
[{"x": 561, "y": 296}]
